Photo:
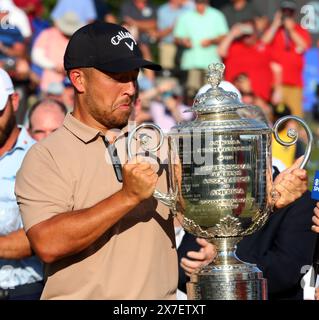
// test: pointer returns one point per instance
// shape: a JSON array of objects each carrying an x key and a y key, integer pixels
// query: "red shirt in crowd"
[
  {"x": 288, "y": 56},
  {"x": 254, "y": 61},
  {"x": 36, "y": 5}
]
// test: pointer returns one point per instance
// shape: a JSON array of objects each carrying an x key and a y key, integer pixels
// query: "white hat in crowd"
[
  {"x": 6, "y": 88},
  {"x": 69, "y": 23}
]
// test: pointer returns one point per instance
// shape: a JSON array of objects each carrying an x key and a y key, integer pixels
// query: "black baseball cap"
[
  {"x": 105, "y": 46},
  {"x": 288, "y": 4}
]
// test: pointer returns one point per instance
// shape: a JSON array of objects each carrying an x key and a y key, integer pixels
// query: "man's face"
[
  {"x": 287, "y": 13},
  {"x": 45, "y": 120},
  {"x": 7, "y": 121},
  {"x": 201, "y": 6},
  {"x": 109, "y": 97}
]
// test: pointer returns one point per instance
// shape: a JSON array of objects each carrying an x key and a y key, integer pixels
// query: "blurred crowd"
[{"x": 264, "y": 59}]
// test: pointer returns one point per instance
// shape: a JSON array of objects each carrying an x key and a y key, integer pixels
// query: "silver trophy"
[{"x": 221, "y": 187}]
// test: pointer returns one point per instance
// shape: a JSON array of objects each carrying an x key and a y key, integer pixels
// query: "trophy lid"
[
  {"x": 219, "y": 110},
  {"x": 216, "y": 99}
]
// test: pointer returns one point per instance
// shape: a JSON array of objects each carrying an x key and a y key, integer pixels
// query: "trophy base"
[{"x": 239, "y": 281}]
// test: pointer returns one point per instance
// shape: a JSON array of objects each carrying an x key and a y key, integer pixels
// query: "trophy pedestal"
[
  {"x": 227, "y": 278},
  {"x": 231, "y": 282}
]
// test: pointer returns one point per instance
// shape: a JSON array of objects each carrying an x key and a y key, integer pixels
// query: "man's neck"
[
  {"x": 11, "y": 141},
  {"x": 88, "y": 120},
  {"x": 174, "y": 5}
]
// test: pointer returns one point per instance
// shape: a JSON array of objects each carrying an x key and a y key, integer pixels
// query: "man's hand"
[
  {"x": 315, "y": 219},
  {"x": 187, "y": 43},
  {"x": 289, "y": 23},
  {"x": 317, "y": 294},
  {"x": 206, "y": 43},
  {"x": 290, "y": 184},
  {"x": 236, "y": 30},
  {"x": 200, "y": 258},
  {"x": 139, "y": 179}
]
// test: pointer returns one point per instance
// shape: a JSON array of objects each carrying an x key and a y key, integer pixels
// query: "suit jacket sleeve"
[{"x": 282, "y": 247}]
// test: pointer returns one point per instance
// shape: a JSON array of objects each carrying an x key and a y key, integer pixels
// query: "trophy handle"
[
  {"x": 169, "y": 199},
  {"x": 293, "y": 134}
]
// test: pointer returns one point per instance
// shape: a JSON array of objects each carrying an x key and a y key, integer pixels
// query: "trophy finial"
[{"x": 215, "y": 74}]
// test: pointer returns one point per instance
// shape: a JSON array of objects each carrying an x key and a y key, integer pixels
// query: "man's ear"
[
  {"x": 15, "y": 99},
  {"x": 77, "y": 78}
]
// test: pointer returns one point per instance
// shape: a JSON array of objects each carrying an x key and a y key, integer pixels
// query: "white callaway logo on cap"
[{"x": 123, "y": 35}]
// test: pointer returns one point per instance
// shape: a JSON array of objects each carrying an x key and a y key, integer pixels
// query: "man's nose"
[{"x": 131, "y": 88}]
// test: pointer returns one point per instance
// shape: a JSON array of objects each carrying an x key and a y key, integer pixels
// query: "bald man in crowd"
[{"x": 45, "y": 116}]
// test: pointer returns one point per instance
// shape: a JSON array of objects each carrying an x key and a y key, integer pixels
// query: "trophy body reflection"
[{"x": 221, "y": 187}]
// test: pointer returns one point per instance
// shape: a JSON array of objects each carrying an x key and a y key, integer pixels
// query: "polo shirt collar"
[
  {"x": 86, "y": 133},
  {"x": 79, "y": 129},
  {"x": 24, "y": 141}
]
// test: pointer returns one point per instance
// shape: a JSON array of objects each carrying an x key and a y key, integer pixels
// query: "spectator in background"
[
  {"x": 21, "y": 272},
  {"x": 49, "y": 48},
  {"x": 12, "y": 49},
  {"x": 45, "y": 116},
  {"x": 104, "y": 12},
  {"x": 16, "y": 17},
  {"x": 33, "y": 8},
  {"x": 169, "y": 109},
  {"x": 84, "y": 9},
  {"x": 239, "y": 11},
  {"x": 199, "y": 31},
  {"x": 54, "y": 91},
  {"x": 140, "y": 14},
  {"x": 244, "y": 53},
  {"x": 289, "y": 41},
  {"x": 167, "y": 15}
]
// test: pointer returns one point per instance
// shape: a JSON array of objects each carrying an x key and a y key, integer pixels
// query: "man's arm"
[
  {"x": 270, "y": 33},
  {"x": 235, "y": 32},
  {"x": 71, "y": 232},
  {"x": 15, "y": 245},
  {"x": 301, "y": 43},
  {"x": 142, "y": 25}
]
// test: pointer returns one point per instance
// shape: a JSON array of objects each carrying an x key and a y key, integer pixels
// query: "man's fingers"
[
  {"x": 297, "y": 174},
  {"x": 296, "y": 164},
  {"x": 197, "y": 255},
  {"x": 202, "y": 242},
  {"x": 190, "y": 265},
  {"x": 286, "y": 197}
]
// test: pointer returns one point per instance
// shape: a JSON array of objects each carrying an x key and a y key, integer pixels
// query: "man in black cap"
[
  {"x": 97, "y": 227},
  {"x": 100, "y": 232}
]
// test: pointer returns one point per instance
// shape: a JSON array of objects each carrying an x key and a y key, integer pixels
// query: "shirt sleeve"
[
  {"x": 41, "y": 190},
  {"x": 222, "y": 25},
  {"x": 89, "y": 11},
  {"x": 180, "y": 29}
]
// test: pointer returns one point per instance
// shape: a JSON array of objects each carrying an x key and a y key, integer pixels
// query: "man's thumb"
[{"x": 296, "y": 164}]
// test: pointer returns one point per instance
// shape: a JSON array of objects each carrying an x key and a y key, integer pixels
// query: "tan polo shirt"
[{"x": 135, "y": 259}]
